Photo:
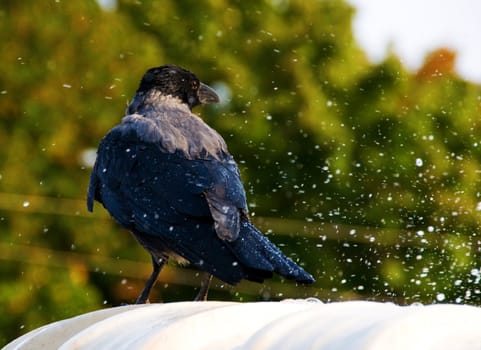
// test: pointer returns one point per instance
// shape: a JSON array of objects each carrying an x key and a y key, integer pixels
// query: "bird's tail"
[{"x": 259, "y": 256}]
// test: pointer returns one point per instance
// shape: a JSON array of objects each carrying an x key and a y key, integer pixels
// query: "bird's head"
[{"x": 177, "y": 82}]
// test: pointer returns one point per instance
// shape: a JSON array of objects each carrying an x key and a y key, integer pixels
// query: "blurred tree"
[
  {"x": 60, "y": 90},
  {"x": 374, "y": 169},
  {"x": 438, "y": 63}
]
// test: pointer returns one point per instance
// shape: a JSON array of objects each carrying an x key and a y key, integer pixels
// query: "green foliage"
[{"x": 373, "y": 169}]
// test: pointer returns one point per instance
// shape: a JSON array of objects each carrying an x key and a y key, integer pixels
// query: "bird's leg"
[
  {"x": 204, "y": 287},
  {"x": 157, "y": 265}
]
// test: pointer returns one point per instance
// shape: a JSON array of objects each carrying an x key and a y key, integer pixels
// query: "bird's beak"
[{"x": 207, "y": 94}]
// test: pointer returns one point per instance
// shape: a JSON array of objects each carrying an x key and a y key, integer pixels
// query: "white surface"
[
  {"x": 290, "y": 324},
  {"x": 413, "y": 28}
]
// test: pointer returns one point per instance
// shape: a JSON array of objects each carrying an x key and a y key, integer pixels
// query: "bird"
[{"x": 168, "y": 178}]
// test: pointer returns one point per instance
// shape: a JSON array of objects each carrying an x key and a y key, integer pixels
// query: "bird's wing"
[
  {"x": 226, "y": 198},
  {"x": 146, "y": 188}
]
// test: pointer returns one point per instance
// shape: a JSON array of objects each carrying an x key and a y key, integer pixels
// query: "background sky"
[{"x": 413, "y": 28}]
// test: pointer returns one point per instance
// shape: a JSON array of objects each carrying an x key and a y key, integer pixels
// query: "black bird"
[{"x": 168, "y": 177}]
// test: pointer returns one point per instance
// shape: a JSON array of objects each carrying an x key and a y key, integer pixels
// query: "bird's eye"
[{"x": 195, "y": 85}]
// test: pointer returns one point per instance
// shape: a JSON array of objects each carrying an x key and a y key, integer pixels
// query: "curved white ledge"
[{"x": 290, "y": 324}]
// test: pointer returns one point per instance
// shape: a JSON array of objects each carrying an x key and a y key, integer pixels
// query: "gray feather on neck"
[{"x": 166, "y": 120}]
